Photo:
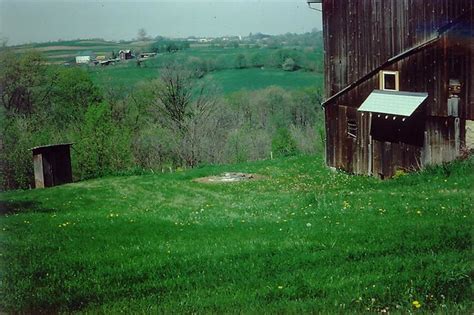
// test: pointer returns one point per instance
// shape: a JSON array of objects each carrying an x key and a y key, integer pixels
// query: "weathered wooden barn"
[{"x": 399, "y": 92}]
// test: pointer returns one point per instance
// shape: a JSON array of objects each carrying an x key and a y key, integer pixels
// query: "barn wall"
[
  {"x": 363, "y": 155},
  {"x": 359, "y": 37},
  {"x": 362, "y": 35},
  {"x": 428, "y": 71},
  {"x": 444, "y": 137},
  {"x": 389, "y": 157},
  {"x": 469, "y": 137}
]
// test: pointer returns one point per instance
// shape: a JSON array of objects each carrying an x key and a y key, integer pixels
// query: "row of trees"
[
  {"x": 177, "y": 120},
  {"x": 286, "y": 59},
  {"x": 163, "y": 45}
]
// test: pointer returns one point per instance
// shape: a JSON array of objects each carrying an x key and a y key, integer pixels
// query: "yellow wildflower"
[{"x": 416, "y": 304}]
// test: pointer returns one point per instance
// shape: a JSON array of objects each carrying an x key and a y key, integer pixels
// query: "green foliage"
[
  {"x": 240, "y": 61},
  {"x": 399, "y": 173},
  {"x": 71, "y": 94},
  {"x": 19, "y": 134},
  {"x": 168, "y": 46},
  {"x": 236, "y": 147},
  {"x": 22, "y": 81},
  {"x": 301, "y": 240},
  {"x": 41, "y": 105},
  {"x": 146, "y": 126},
  {"x": 283, "y": 144},
  {"x": 289, "y": 64},
  {"x": 102, "y": 147},
  {"x": 15, "y": 157}
]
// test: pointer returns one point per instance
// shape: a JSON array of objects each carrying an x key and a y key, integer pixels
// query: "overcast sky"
[{"x": 44, "y": 20}]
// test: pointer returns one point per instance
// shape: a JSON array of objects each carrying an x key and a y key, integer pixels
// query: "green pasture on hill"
[
  {"x": 127, "y": 75},
  {"x": 221, "y": 62},
  {"x": 121, "y": 76},
  {"x": 256, "y": 78},
  {"x": 300, "y": 239}
]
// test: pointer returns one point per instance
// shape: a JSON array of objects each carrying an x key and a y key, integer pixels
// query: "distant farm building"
[
  {"x": 125, "y": 54},
  {"x": 83, "y": 59},
  {"x": 399, "y": 83},
  {"x": 147, "y": 55}
]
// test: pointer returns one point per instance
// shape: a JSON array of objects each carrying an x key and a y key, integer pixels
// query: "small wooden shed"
[{"x": 52, "y": 165}]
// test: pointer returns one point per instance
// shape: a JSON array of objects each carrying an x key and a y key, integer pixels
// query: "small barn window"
[
  {"x": 351, "y": 129},
  {"x": 389, "y": 81}
]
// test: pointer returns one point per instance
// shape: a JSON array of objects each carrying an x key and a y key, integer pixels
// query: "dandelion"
[{"x": 416, "y": 304}]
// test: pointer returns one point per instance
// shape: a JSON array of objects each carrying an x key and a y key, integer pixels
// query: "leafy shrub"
[
  {"x": 283, "y": 144},
  {"x": 289, "y": 65},
  {"x": 19, "y": 135},
  {"x": 101, "y": 146}
]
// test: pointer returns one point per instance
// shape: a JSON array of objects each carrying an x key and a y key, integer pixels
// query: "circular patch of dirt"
[{"x": 229, "y": 178}]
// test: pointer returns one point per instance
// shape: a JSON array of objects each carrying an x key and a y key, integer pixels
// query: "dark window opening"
[
  {"x": 397, "y": 129},
  {"x": 390, "y": 81}
]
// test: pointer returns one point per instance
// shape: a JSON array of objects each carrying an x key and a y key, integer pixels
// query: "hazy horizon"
[{"x": 48, "y": 20}]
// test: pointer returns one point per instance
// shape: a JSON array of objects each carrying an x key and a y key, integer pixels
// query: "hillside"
[
  {"x": 233, "y": 67},
  {"x": 299, "y": 239},
  {"x": 66, "y": 51}
]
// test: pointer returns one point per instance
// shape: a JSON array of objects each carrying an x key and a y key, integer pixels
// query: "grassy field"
[
  {"x": 303, "y": 239},
  {"x": 127, "y": 75},
  {"x": 254, "y": 79},
  {"x": 123, "y": 76},
  {"x": 66, "y": 51}
]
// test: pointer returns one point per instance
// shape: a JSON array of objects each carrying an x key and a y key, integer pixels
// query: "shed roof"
[
  {"x": 393, "y": 102},
  {"x": 52, "y": 146}
]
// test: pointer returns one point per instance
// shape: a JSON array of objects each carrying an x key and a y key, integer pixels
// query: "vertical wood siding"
[{"x": 361, "y": 35}]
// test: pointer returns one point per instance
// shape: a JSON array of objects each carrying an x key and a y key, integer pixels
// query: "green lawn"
[{"x": 303, "y": 239}]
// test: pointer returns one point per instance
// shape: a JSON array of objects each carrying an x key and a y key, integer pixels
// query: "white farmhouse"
[{"x": 83, "y": 59}]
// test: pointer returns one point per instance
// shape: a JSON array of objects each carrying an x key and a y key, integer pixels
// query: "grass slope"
[
  {"x": 302, "y": 240},
  {"x": 126, "y": 75},
  {"x": 254, "y": 79}
]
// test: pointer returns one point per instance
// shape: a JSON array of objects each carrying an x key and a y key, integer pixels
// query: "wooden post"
[
  {"x": 38, "y": 169},
  {"x": 370, "y": 149},
  {"x": 426, "y": 160},
  {"x": 457, "y": 136}
]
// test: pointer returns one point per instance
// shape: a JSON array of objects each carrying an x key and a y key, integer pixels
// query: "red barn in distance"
[{"x": 398, "y": 85}]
